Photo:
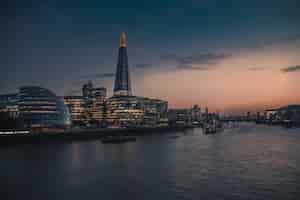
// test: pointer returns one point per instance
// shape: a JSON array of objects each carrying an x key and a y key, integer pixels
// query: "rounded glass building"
[{"x": 42, "y": 111}]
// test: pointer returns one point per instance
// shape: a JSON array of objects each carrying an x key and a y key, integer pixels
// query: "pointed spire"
[
  {"x": 123, "y": 40},
  {"x": 122, "y": 85}
]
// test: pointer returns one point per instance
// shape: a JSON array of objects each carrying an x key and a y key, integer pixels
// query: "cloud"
[
  {"x": 169, "y": 57},
  {"x": 208, "y": 58},
  {"x": 190, "y": 67},
  {"x": 295, "y": 68},
  {"x": 99, "y": 75},
  {"x": 205, "y": 59},
  {"x": 104, "y": 75},
  {"x": 256, "y": 68},
  {"x": 288, "y": 39},
  {"x": 143, "y": 65}
]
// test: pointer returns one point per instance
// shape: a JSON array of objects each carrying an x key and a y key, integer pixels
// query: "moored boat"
[{"x": 212, "y": 127}]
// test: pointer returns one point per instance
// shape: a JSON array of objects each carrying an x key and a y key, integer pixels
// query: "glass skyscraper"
[
  {"x": 122, "y": 85},
  {"x": 126, "y": 110}
]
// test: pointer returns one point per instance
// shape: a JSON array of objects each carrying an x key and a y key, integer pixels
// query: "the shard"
[{"x": 122, "y": 85}]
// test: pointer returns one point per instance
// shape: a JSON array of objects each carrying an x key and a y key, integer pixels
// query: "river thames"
[{"x": 245, "y": 161}]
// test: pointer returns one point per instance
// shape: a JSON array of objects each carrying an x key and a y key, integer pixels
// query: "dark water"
[{"x": 246, "y": 161}]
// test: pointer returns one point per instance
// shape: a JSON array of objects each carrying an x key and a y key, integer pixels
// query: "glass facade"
[
  {"x": 40, "y": 109},
  {"x": 9, "y": 104},
  {"x": 94, "y": 100},
  {"x": 155, "y": 111},
  {"x": 76, "y": 106},
  {"x": 179, "y": 117},
  {"x": 88, "y": 109},
  {"x": 290, "y": 112},
  {"x": 122, "y": 86},
  {"x": 124, "y": 111}
]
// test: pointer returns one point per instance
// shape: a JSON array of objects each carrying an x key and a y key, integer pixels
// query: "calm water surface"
[{"x": 246, "y": 161}]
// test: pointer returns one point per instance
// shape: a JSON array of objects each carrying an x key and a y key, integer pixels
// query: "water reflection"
[{"x": 246, "y": 161}]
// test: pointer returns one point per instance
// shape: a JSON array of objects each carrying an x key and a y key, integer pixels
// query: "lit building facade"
[
  {"x": 131, "y": 111},
  {"x": 271, "y": 115},
  {"x": 196, "y": 115},
  {"x": 155, "y": 111},
  {"x": 9, "y": 104},
  {"x": 41, "y": 110},
  {"x": 76, "y": 106},
  {"x": 179, "y": 117},
  {"x": 88, "y": 109},
  {"x": 125, "y": 110},
  {"x": 98, "y": 104},
  {"x": 94, "y": 103}
]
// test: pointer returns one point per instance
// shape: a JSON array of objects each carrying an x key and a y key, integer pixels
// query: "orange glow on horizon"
[{"x": 231, "y": 85}]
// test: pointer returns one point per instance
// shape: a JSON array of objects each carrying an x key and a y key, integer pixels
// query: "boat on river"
[{"x": 212, "y": 127}]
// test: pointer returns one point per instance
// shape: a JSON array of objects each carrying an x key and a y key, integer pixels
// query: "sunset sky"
[{"x": 231, "y": 55}]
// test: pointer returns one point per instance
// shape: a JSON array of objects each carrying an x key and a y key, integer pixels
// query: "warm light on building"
[
  {"x": 136, "y": 111},
  {"x": 125, "y": 110},
  {"x": 76, "y": 108}
]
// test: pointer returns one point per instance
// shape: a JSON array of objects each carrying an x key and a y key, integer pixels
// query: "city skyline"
[{"x": 231, "y": 57}]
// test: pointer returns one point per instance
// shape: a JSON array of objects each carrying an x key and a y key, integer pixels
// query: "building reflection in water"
[{"x": 84, "y": 158}]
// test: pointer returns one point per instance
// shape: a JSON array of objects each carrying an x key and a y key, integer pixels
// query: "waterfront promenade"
[{"x": 84, "y": 134}]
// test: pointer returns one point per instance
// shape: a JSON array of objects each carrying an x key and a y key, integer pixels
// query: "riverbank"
[
  {"x": 284, "y": 123},
  {"x": 84, "y": 134}
]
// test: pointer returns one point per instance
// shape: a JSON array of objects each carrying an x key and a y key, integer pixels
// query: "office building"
[
  {"x": 94, "y": 103},
  {"x": 125, "y": 110},
  {"x": 196, "y": 115},
  {"x": 271, "y": 115},
  {"x": 122, "y": 86},
  {"x": 88, "y": 109},
  {"x": 76, "y": 106},
  {"x": 290, "y": 113},
  {"x": 179, "y": 117},
  {"x": 42, "y": 111},
  {"x": 9, "y": 105},
  {"x": 155, "y": 111}
]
